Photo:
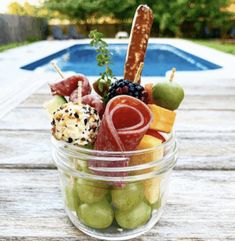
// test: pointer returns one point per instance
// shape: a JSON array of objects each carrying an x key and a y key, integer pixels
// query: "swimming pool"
[{"x": 159, "y": 59}]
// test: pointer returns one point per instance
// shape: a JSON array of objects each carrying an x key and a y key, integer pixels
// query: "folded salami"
[
  {"x": 125, "y": 121},
  {"x": 69, "y": 85}
]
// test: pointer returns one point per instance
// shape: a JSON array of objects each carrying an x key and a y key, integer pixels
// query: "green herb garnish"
[{"x": 103, "y": 59}]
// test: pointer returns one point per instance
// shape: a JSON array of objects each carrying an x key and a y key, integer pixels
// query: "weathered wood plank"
[
  {"x": 205, "y": 120},
  {"x": 35, "y": 101},
  {"x": 25, "y": 149},
  {"x": 195, "y": 102},
  {"x": 200, "y": 207},
  {"x": 32, "y": 149},
  {"x": 26, "y": 119},
  {"x": 200, "y": 102},
  {"x": 187, "y": 120}
]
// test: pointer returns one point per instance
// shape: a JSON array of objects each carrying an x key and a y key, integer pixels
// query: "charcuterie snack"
[
  {"x": 117, "y": 137},
  {"x": 125, "y": 121}
]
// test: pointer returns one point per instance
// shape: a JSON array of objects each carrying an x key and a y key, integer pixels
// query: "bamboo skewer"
[
  {"x": 137, "y": 76},
  {"x": 79, "y": 92},
  {"x": 57, "y": 69},
  {"x": 172, "y": 74}
]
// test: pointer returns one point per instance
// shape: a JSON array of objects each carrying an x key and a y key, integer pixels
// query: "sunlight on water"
[{"x": 159, "y": 59}]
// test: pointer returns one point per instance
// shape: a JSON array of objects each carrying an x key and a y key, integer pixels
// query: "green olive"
[{"x": 168, "y": 94}]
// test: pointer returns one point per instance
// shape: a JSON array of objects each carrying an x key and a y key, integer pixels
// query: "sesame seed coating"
[{"x": 76, "y": 124}]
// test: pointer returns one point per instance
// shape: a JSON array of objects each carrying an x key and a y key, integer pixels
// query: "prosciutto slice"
[
  {"x": 125, "y": 121},
  {"x": 67, "y": 86}
]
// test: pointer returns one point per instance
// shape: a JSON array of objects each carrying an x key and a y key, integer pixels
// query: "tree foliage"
[
  {"x": 173, "y": 17},
  {"x": 169, "y": 16},
  {"x": 77, "y": 9},
  {"x": 27, "y": 9},
  {"x": 17, "y": 9}
]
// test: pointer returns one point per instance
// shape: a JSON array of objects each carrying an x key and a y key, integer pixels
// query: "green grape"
[
  {"x": 96, "y": 215},
  {"x": 79, "y": 164},
  {"x": 126, "y": 198},
  {"x": 71, "y": 195},
  {"x": 82, "y": 166},
  {"x": 157, "y": 204},
  {"x": 91, "y": 192},
  {"x": 109, "y": 197},
  {"x": 134, "y": 218}
]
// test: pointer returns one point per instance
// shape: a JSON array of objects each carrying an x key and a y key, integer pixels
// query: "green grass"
[
  {"x": 219, "y": 45},
  {"x": 13, "y": 45}
]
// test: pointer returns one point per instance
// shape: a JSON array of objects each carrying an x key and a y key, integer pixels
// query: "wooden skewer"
[
  {"x": 79, "y": 92},
  {"x": 57, "y": 69},
  {"x": 172, "y": 74},
  {"x": 137, "y": 76}
]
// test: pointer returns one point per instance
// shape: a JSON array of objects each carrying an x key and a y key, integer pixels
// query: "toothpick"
[
  {"x": 172, "y": 74},
  {"x": 57, "y": 69},
  {"x": 137, "y": 76},
  {"x": 79, "y": 92}
]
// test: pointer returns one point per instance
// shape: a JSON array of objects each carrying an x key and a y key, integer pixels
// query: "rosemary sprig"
[{"x": 103, "y": 59}]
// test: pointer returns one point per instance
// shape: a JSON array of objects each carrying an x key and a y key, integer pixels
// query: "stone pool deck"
[{"x": 201, "y": 199}]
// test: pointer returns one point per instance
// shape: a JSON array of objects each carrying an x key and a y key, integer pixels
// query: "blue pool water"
[{"x": 159, "y": 59}]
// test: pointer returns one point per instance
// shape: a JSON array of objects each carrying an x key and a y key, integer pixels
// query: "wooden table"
[{"x": 201, "y": 204}]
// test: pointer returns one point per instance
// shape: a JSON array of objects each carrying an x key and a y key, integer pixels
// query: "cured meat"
[
  {"x": 91, "y": 100},
  {"x": 140, "y": 32},
  {"x": 95, "y": 102},
  {"x": 67, "y": 86},
  {"x": 156, "y": 134},
  {"x": 125, "y": 121}
]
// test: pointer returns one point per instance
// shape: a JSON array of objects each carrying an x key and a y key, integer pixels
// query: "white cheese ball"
[{"x": 76, "y": 124}]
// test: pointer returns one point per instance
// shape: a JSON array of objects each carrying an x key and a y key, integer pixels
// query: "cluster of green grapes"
[{"x": 98, "y": 204}]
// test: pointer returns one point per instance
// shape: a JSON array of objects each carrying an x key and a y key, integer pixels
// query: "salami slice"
[
  {"x": 156, "y": 134},
  {"x": 67, "y": 86},
  {"x": 91, "y": 100},
  {"x": 125, "y": 121}
]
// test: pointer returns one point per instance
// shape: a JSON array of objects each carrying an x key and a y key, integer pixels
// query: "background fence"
[{"x": 14, "y": 28}]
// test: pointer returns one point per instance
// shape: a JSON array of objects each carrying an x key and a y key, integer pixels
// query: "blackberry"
[{"x": 125, "y": 87}]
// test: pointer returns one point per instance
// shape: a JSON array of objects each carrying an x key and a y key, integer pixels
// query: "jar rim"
[
  {"x": 74, "y": 150},
  {"x": 122, "y": 179},
  {"x": 108, "y": 173}
]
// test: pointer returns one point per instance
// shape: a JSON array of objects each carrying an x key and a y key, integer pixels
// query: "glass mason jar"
[{"x": 114, "y": 195}]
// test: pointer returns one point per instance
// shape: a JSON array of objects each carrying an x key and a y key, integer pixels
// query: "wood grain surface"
[
  {"x": 196, "y": 151},
  {"x": 200, "y": 205}
]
